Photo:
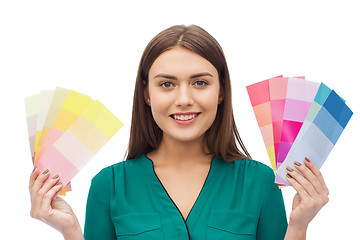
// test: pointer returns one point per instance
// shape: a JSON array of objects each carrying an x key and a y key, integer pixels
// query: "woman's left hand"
[{"x": 312, "y": 193}]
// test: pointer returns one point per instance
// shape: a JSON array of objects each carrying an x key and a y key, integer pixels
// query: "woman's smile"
[{"x": 185, "y": 118}]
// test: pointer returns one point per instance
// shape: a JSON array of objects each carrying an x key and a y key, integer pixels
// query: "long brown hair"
[{"x": 222, "y": 137}]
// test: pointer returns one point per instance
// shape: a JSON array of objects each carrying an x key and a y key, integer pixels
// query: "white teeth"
[{"x": 184, "y": 117}]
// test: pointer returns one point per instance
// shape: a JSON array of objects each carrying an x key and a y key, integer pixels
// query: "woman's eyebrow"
[
  {"x": 162, "y": 75},
  {"x": 201, "y": 75}
]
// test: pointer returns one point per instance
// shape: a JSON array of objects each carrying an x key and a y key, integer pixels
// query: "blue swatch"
[
  {"x": 322, "y": 94},
  {"x": 338, "y": 109}
]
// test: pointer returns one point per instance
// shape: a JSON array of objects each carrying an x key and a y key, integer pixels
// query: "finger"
[
  {"x": 299, "y": 189},
  {"x": 303, "y": 182},
  {"x": 310, "y": 176},
  {"x": 33, "y": 176},
  {"x": 50, "y": 194},
  {"x": 39, "y": 182},
  {"x": 48, "y": 185},
  {"x": 35, "y": 198},
  {"x": 317, "y": 173}
]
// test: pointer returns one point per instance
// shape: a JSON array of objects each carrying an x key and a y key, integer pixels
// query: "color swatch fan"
[
  {"x": 297, "y": 119},
  {"x": 66, "y": 129}
]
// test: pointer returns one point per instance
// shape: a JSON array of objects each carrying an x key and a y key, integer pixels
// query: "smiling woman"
[{"x": 187, "y": 174}]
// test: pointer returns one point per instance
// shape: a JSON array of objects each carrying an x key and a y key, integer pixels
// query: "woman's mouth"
[{"x": 184, "y": 118}]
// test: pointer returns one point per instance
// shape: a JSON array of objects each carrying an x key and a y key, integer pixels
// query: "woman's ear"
[
  {"x": 221, "y": 95},
  {"x": 146, "y": 94}
]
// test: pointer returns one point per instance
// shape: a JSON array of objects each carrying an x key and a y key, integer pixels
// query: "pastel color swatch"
[
  {"x": 68, "y": 106},
  {"x": 321, "y": 95},
  {"x": 80, "y": 142},
  {"x": 268, "y": 101},
  {"x": 78, "y": 127},
  {"x": 299, "y": 96},
  {"x": 74, "y": 105},
  {"x": 297, "y": 118},
  {"x": 37, "y": 109},
  {"x": 319, "y": 135},
  {"x": 278, "y": 89},
  {"x": 260, "y": 100},
  {"x": 32, "y": 105},
  {"x": 44, "y": 106},
  {"x": 58, "y": 100}
]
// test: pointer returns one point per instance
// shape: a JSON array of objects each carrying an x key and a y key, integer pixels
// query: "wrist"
[
  {"x": 296, "y": 231},
  {"x": 73, "y": 234}
]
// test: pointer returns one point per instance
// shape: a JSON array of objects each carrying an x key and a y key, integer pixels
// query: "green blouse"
[{"x": 239, "y": 200}]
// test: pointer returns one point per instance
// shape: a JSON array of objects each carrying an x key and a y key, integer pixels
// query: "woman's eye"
[
  {"x": 166, "y": 84},
  {"x": 200, "y": 83}
]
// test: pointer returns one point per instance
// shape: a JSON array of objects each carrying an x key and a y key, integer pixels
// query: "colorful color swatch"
[
  {"x": 78, "y": 128},
  {"x": 278, "y": 93},
  {"x": 287, "y": 109},
  {"x": 57, "y": 101},
  {"x": 299, "y": 96},
  {"x": 319, "y": 135},
  {"x": 32, "y": 105},
  {"x": 260, "y": 100},
  {"x": 277, "y": 89},
  {"x": 74, "y": 105},
  {"x": 268, "y": 101},
  {"x": 44, "y": 105}
]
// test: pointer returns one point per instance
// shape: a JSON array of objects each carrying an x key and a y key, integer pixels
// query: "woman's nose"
[{"x": 184, "y": 96}]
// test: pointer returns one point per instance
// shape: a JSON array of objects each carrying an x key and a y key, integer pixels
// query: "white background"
[{"x": 94, "y": 47}]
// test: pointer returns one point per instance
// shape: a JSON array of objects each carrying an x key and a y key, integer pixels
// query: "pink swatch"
[
  {"x": 299, "y": 96},
  {"x": 260, "y": 100}
]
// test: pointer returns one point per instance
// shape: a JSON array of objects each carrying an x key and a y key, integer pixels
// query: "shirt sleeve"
[
  {"x": 98, "y": 223},
  {"x": 272, "y": 224}
]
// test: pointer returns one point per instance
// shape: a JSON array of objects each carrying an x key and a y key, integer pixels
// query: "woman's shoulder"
[
  {"x": 251, "y": 163},
  {"x": 118, "y": 169},
  {"x": 254, "y": 168}
]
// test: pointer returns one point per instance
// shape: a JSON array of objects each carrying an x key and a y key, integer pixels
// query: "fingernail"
[
  {"x": 288, "y": 175},
  {"x": 307, "y": 159},
  {"x": 34, "y": 169},
  {"x": 297, "y": 163},
  {"x": 56, "y": 176},
  {"x": 289, "y": 169},
  {"x": 46, "y": 171},
  {"x": 58, "y": 184}
]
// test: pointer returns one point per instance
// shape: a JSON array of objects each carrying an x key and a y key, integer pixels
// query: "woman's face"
[{"x": 183, "y": 93}]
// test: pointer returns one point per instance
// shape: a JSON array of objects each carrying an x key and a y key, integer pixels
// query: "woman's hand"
[
  {"x": 312, "y": 194},
  {"x": 54, "y": 212}
]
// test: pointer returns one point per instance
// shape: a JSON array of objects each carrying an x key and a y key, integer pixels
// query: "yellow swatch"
[
  {"x": 271, "y": 153},
  {"x": 76, "y": 103},
  {"x": 103, "y": 119},
  {"x": 64, "y": 120}
]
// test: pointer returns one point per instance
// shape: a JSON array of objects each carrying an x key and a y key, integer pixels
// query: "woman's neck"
[{"x": 175, "y": 153}]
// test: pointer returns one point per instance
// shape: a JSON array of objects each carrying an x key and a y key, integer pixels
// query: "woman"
[{"x": 184, "y": 177}]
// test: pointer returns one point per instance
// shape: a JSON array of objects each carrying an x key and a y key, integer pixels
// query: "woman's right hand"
[{"x": 55, "y": 212}]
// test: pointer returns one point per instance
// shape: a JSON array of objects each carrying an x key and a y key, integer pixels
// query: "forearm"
[{"x": 295, "y": 232}]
